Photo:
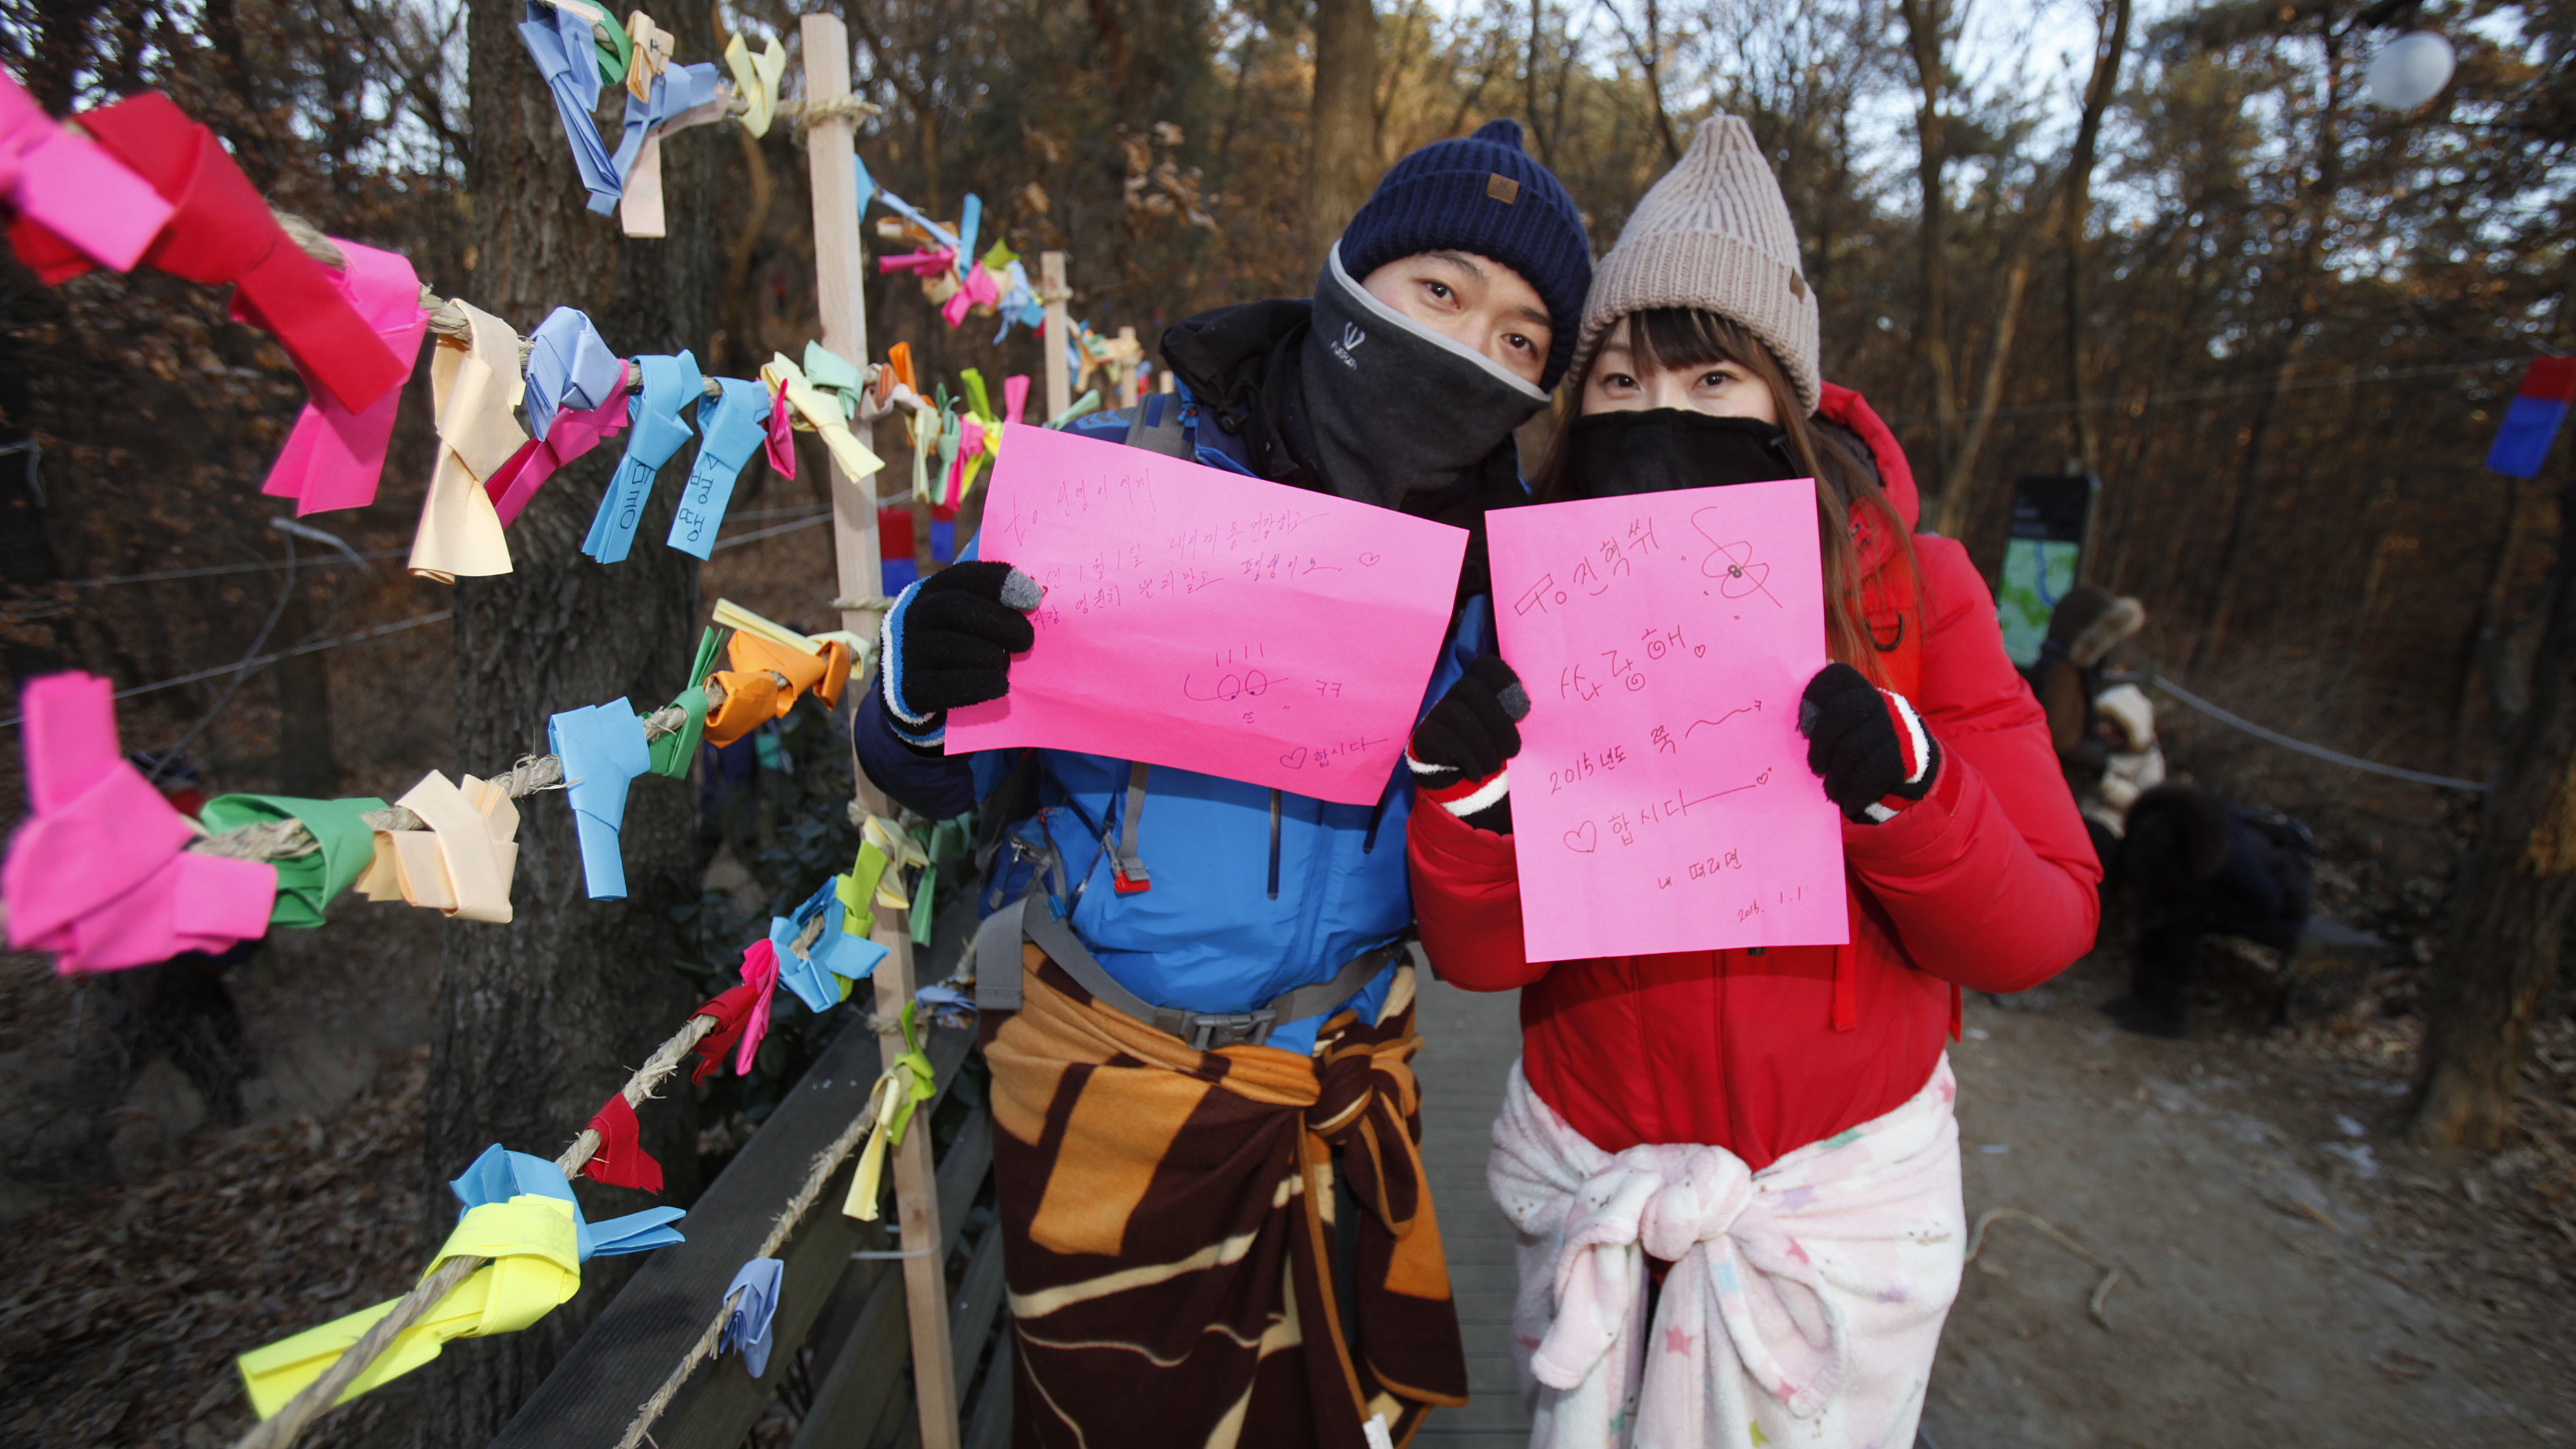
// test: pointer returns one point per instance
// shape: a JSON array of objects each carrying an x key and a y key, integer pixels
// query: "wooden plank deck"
[{"x": 1469, "y": 1042}]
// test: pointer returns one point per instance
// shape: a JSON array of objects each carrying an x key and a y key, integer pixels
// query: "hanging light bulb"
[{"x": 2410, "y": 71}]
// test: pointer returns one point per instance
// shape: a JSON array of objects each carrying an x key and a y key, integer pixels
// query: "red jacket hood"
[{"x": 1849, "y": 409}]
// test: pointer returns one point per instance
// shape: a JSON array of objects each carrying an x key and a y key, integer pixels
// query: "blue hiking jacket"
[{"x": 1245, "y": 903}]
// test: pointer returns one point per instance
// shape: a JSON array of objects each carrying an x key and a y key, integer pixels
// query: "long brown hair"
[{"x": 1846, "y": 480}]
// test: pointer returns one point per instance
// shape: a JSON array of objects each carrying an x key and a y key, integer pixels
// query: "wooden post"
[
  {"x": 839, "y": 267},
  {"x": 1059, "y": 329},
  {"x": 1127, "y": 372}
]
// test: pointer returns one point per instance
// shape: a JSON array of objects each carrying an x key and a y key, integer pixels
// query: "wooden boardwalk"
[{"x": 1469, "y": 1041}]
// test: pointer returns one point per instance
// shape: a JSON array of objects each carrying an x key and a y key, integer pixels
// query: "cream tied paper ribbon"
[
  {"x": 652, "y": 54},
  {"x": 475, "y": 387},
  {"x": 756, "y": 77},
  {"x": 462, "y": 863},
  {"x": 820, "y": 412}
]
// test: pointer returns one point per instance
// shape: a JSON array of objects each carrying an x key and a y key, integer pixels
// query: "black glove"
[
  {"x": 948, "y": 641},
  {"x": 1459, "y": 751},
  {"x": 1867, "y": 744}
]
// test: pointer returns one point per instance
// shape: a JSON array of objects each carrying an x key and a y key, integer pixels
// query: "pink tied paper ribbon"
[
  {"x": 73, "y": 188},
  {"x": 98, "y": 874},
  {"x": 781, "y": 444},
  {"x": 335, "y": 457},
  {"x": 920, "y": 264},
  {"x": 573, "y": 434},
  {"x": 978, "y": 290},
  {"x": 759, "y": 971}
]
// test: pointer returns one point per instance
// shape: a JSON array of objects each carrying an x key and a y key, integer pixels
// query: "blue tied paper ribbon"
[
  {"x": 660, "y": 414},
  {"x": 732, "y": 428},
  {"x": 867, "y": 183},
  {"x": 917, "y": 217},
  {"x": 500, "y": 1174},
  {"x": 679, "y": 89},
  {"x": 835, "y": 953},
  {"x": 603, "y": 749},
  {"x": 746, "y": 1324},
  {"x": 559, "y": 42},
  {"x": 970, "y": 220},
  {"x": 569, "y": 366}
]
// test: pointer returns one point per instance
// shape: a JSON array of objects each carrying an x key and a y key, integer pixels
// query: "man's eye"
[
  {"x": 1517, "y": 340},
  {"x": 1438, "y": 289}
]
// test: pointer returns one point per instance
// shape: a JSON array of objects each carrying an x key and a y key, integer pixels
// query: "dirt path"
[
  {"x": 2295, "y": 1274},
  {"x": 2291, "y": 1275}
]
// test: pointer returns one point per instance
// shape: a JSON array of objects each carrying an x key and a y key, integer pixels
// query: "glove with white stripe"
[
  {"x": 1867, "y": 744},
  {"x": 1461, "y": 751},
  {"x": 948, "y": 641}
]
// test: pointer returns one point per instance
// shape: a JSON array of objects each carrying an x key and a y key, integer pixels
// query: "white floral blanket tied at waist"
[{"x": 1803, "y": 1305}]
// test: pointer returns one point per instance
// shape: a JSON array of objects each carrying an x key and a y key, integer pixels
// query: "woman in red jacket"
[{"x": 1761, "y": 1136}]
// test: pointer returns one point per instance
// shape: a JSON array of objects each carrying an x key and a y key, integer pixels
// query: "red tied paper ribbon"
[
  {"x": 621, "y": 1161},
  {"x": 742, "y": 1014},
  {"x": 220, "y": 230},
  {"x": 573, "y": 434}
]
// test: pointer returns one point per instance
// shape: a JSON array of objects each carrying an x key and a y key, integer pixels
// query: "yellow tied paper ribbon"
[
  {"x": 535, "y": 1266},
  {"x": 817, "y": 411},
  {"x": 908, "y": 1082},
  {"x": 756, "y": 80}
]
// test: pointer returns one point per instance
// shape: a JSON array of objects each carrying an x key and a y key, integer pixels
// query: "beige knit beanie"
[{"x": 1713, "y": 234}]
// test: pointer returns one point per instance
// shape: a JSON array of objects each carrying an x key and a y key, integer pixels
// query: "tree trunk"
[
  {"x": 2509, "y": 914},
  {"x": 2105, "y": 83},
  {"x": 540, "y": 1020},
  {"x": 1342, "y": 159},
  {"x": 2251, "y": 491},
  {"x": 1923, "y": 27}
]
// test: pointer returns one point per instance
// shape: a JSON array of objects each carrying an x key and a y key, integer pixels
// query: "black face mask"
[
  {"x": 1613, "y": 454},
  {"x": 1396, "y": 410}
]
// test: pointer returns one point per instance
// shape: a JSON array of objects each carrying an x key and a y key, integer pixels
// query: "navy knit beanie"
[{"x": 1487, "y": 196}]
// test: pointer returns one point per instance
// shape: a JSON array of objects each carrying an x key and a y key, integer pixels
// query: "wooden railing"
[{"x": 838, "y": 1370}]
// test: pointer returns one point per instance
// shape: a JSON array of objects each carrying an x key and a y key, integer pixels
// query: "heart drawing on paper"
[
  {"x": 1583, "y": 838},
  {"x": 1295, "y": 759}
]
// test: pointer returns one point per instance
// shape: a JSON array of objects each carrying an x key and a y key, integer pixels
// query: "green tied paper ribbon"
[
  {"x": 616, "y": 50},
  {"x": 307, "y": 883},
  {"x": 923, "y": 1081},
  {"x": 672, "y": 752},
  {"x": 977, "y": 401},
  {"x": 835, "y": 374}
]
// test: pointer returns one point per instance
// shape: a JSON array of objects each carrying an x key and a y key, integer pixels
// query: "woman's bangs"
[{"x": 1672, "y": 337}]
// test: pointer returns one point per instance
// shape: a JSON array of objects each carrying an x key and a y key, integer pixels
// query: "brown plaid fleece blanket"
[{"x": 1168, "y": 1221}]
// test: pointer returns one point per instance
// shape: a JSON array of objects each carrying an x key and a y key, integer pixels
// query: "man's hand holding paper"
[{"x": 1192, "y": 617}]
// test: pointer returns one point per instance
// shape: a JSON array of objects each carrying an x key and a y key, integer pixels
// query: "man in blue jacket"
[{"x": 1215, "y": 1222}]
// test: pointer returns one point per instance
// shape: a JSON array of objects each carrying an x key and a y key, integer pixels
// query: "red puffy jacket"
[{"x": 1988, "y": 882}]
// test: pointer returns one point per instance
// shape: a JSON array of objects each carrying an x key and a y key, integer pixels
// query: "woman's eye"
[
  {"x": 1439, "y": 290},
  {"x": 1514, "y": 339},
  {"x": 1717, "y": 379},
  {"x": 1618, "y": 379}
]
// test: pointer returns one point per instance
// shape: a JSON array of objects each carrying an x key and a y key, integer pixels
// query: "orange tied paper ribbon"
[{"x": 753, "y": 694}]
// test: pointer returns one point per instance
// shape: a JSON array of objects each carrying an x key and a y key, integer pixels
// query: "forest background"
[{"x": 2175, "y": 247}]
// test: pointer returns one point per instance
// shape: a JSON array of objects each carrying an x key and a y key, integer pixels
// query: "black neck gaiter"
[
  {"x": 1396, "y": 409},
  {"x": 1613, "y": 454}
]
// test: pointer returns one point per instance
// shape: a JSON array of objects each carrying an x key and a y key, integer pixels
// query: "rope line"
[{"x": 2316, "y": 751}]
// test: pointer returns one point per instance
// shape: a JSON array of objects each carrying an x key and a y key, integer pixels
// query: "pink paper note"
[
  {"x": 1661, "y": 800},
  {"x": 1212, "y": 622}
]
